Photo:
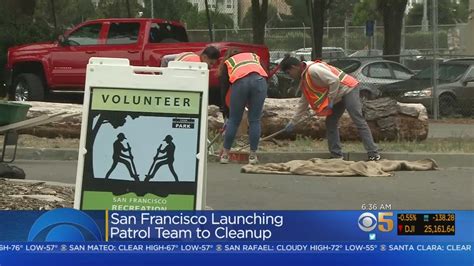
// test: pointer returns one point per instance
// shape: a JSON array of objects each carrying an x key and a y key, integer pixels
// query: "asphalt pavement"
[{"x": 228, "y": 189}]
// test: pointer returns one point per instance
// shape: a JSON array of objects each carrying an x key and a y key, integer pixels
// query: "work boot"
[
  {"x": 253, "y": 159},
  {"x": 375, "y": 157},
  {"x": 224, "y": 159}
]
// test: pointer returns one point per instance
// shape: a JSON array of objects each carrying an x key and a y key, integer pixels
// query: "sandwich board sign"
[{"x": 143, "y": 137}]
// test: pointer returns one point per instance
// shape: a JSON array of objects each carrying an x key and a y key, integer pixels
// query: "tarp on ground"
[{"x": 338, "y": 167}]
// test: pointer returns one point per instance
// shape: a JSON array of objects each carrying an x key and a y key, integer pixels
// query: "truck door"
[
  {"x": 69, "y": 59},
  {"x": 122, "y": 41}
]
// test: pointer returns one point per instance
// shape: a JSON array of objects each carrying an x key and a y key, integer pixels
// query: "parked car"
[
  {"x": 373, "y": 73},
  {"x": 329, "y": 53},
  {"x": 411, "y": 58},
  {"x": 35, "y": 71},
  {"x": 281, "y": 85},
  {"x": 455, "y": 91}
]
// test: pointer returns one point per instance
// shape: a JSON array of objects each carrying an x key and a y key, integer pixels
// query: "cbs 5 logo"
[
  {"x": 64, "y": 225},
  {"x": 367, "y": 221}
]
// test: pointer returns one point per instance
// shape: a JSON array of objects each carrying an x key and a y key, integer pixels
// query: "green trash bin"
[{"x": 12, "y": 112}]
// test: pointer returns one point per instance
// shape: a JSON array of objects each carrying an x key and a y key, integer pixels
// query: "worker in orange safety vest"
[
  {"x": 245, "y": 75},
  {"x": 329, "y": 91},
  {"x": 209, "y": 55}
]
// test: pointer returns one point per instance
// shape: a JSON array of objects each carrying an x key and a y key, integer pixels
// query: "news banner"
[{"x": 67, "y": 231}]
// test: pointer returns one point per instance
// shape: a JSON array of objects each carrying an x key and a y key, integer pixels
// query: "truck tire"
[
  {"x": 447, "y": 105},
  {"x": 27, "y": 87}
]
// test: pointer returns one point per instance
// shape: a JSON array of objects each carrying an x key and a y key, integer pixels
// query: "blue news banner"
[{"x": 447, "y": 236}]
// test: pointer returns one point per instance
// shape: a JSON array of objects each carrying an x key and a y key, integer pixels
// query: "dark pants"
[{"x": 351, "y": 103}]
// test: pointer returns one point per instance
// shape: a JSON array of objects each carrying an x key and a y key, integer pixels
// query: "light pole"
[
  {"x": 424, "y": 20},
  {"x": 304, "y": 35},
  {"x": 152, "y": 9}
]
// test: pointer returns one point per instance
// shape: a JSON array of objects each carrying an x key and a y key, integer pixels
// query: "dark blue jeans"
[{"x": 250, "y": 90}]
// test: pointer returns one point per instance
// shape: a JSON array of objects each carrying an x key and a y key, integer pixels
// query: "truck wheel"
[
  {"x": 447, "y": 105},
  {"x": 27, "y": 87}
]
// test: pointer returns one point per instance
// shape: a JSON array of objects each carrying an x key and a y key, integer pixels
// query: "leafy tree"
[
  {"x": 300, "y": 14},
  {"x": 66, "y": 13},
  {"x": 338, "y": 10},
  {"x": 118, "y": 9},
  {"x": 448, "y": 12},
  {"x": 462, "y": 11},
  {"x": 217, "y": 18},
  {"x": 274, "y": 19},
  {"x": 17, "y": 27},
  {"x": 180, "y": 10},
  {"x": 365, "y": 10},
  {"x": 392, "y": 13}
]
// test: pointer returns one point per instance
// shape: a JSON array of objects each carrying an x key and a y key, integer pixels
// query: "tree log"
[{"x": 387, "y": 119}]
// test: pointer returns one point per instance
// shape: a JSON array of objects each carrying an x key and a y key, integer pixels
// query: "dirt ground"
[{"x": 25, "y": 196}]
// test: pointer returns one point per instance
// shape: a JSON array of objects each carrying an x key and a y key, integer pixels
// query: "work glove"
[
  {"x": 289, "y": 127},
  {"x": 330, "y": 105}
]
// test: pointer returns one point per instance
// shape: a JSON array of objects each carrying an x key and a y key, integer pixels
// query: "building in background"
[{"x": 228, "y": 7}]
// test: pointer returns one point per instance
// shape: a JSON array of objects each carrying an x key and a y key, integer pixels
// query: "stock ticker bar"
[
  {"x": 426, "y": 224},
  {"x": 280, "y": 248}
]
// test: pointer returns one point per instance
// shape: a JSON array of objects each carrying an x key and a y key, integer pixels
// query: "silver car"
[{"x": 373, "y": 73}]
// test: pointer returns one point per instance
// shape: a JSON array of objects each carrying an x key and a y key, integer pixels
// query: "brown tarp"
[{"x": 338, "y": 167}]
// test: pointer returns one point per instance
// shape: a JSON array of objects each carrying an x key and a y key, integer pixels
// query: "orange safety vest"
[
  {"x": 240, "y": 65},
  {"x": 188, "y": 57},
  {"x": 317, "y": 96}
]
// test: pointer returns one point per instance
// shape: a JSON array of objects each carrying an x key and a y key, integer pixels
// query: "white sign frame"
[{"x": 177, "y": 77}]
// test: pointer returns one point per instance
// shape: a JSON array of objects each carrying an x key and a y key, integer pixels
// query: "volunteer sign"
[{"x": 143, "y": 137}]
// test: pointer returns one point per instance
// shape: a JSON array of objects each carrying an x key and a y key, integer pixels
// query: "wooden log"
[{"x": 387, "y": 119}]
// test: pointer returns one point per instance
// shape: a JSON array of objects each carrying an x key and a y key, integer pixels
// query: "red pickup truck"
[{"x": 36, "y": 71}]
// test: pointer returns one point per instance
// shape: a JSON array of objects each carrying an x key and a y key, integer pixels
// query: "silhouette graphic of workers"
[
  {"x": 168, "y": 159},
  {"x": 120, "y": 157}
]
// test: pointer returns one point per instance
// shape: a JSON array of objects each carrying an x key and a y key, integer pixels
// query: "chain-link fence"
[
  {"x": 409, "y": 81},
  {"x": 384, "y": 78},
  {"x": 350, "y": 39}
]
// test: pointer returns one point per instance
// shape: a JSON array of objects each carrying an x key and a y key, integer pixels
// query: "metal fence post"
[
  {"x": 435, "y": 63},
  {"x": 346, "y": 41},
  {"x": 375, "y": 35},
  {"x": 152, "y": 9}
]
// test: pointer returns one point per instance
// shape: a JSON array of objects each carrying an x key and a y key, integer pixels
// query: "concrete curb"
[
  {"x": 49, "y": 183},
  {"x": 43, "y": 154},
  {"x": 443, "y": 159}
]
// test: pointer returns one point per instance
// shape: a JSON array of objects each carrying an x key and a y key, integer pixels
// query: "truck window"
[
  {"x": 167, "y": 33},
  {"x": 123, "y": 33},
  {"x": 86, "y": 35}
]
